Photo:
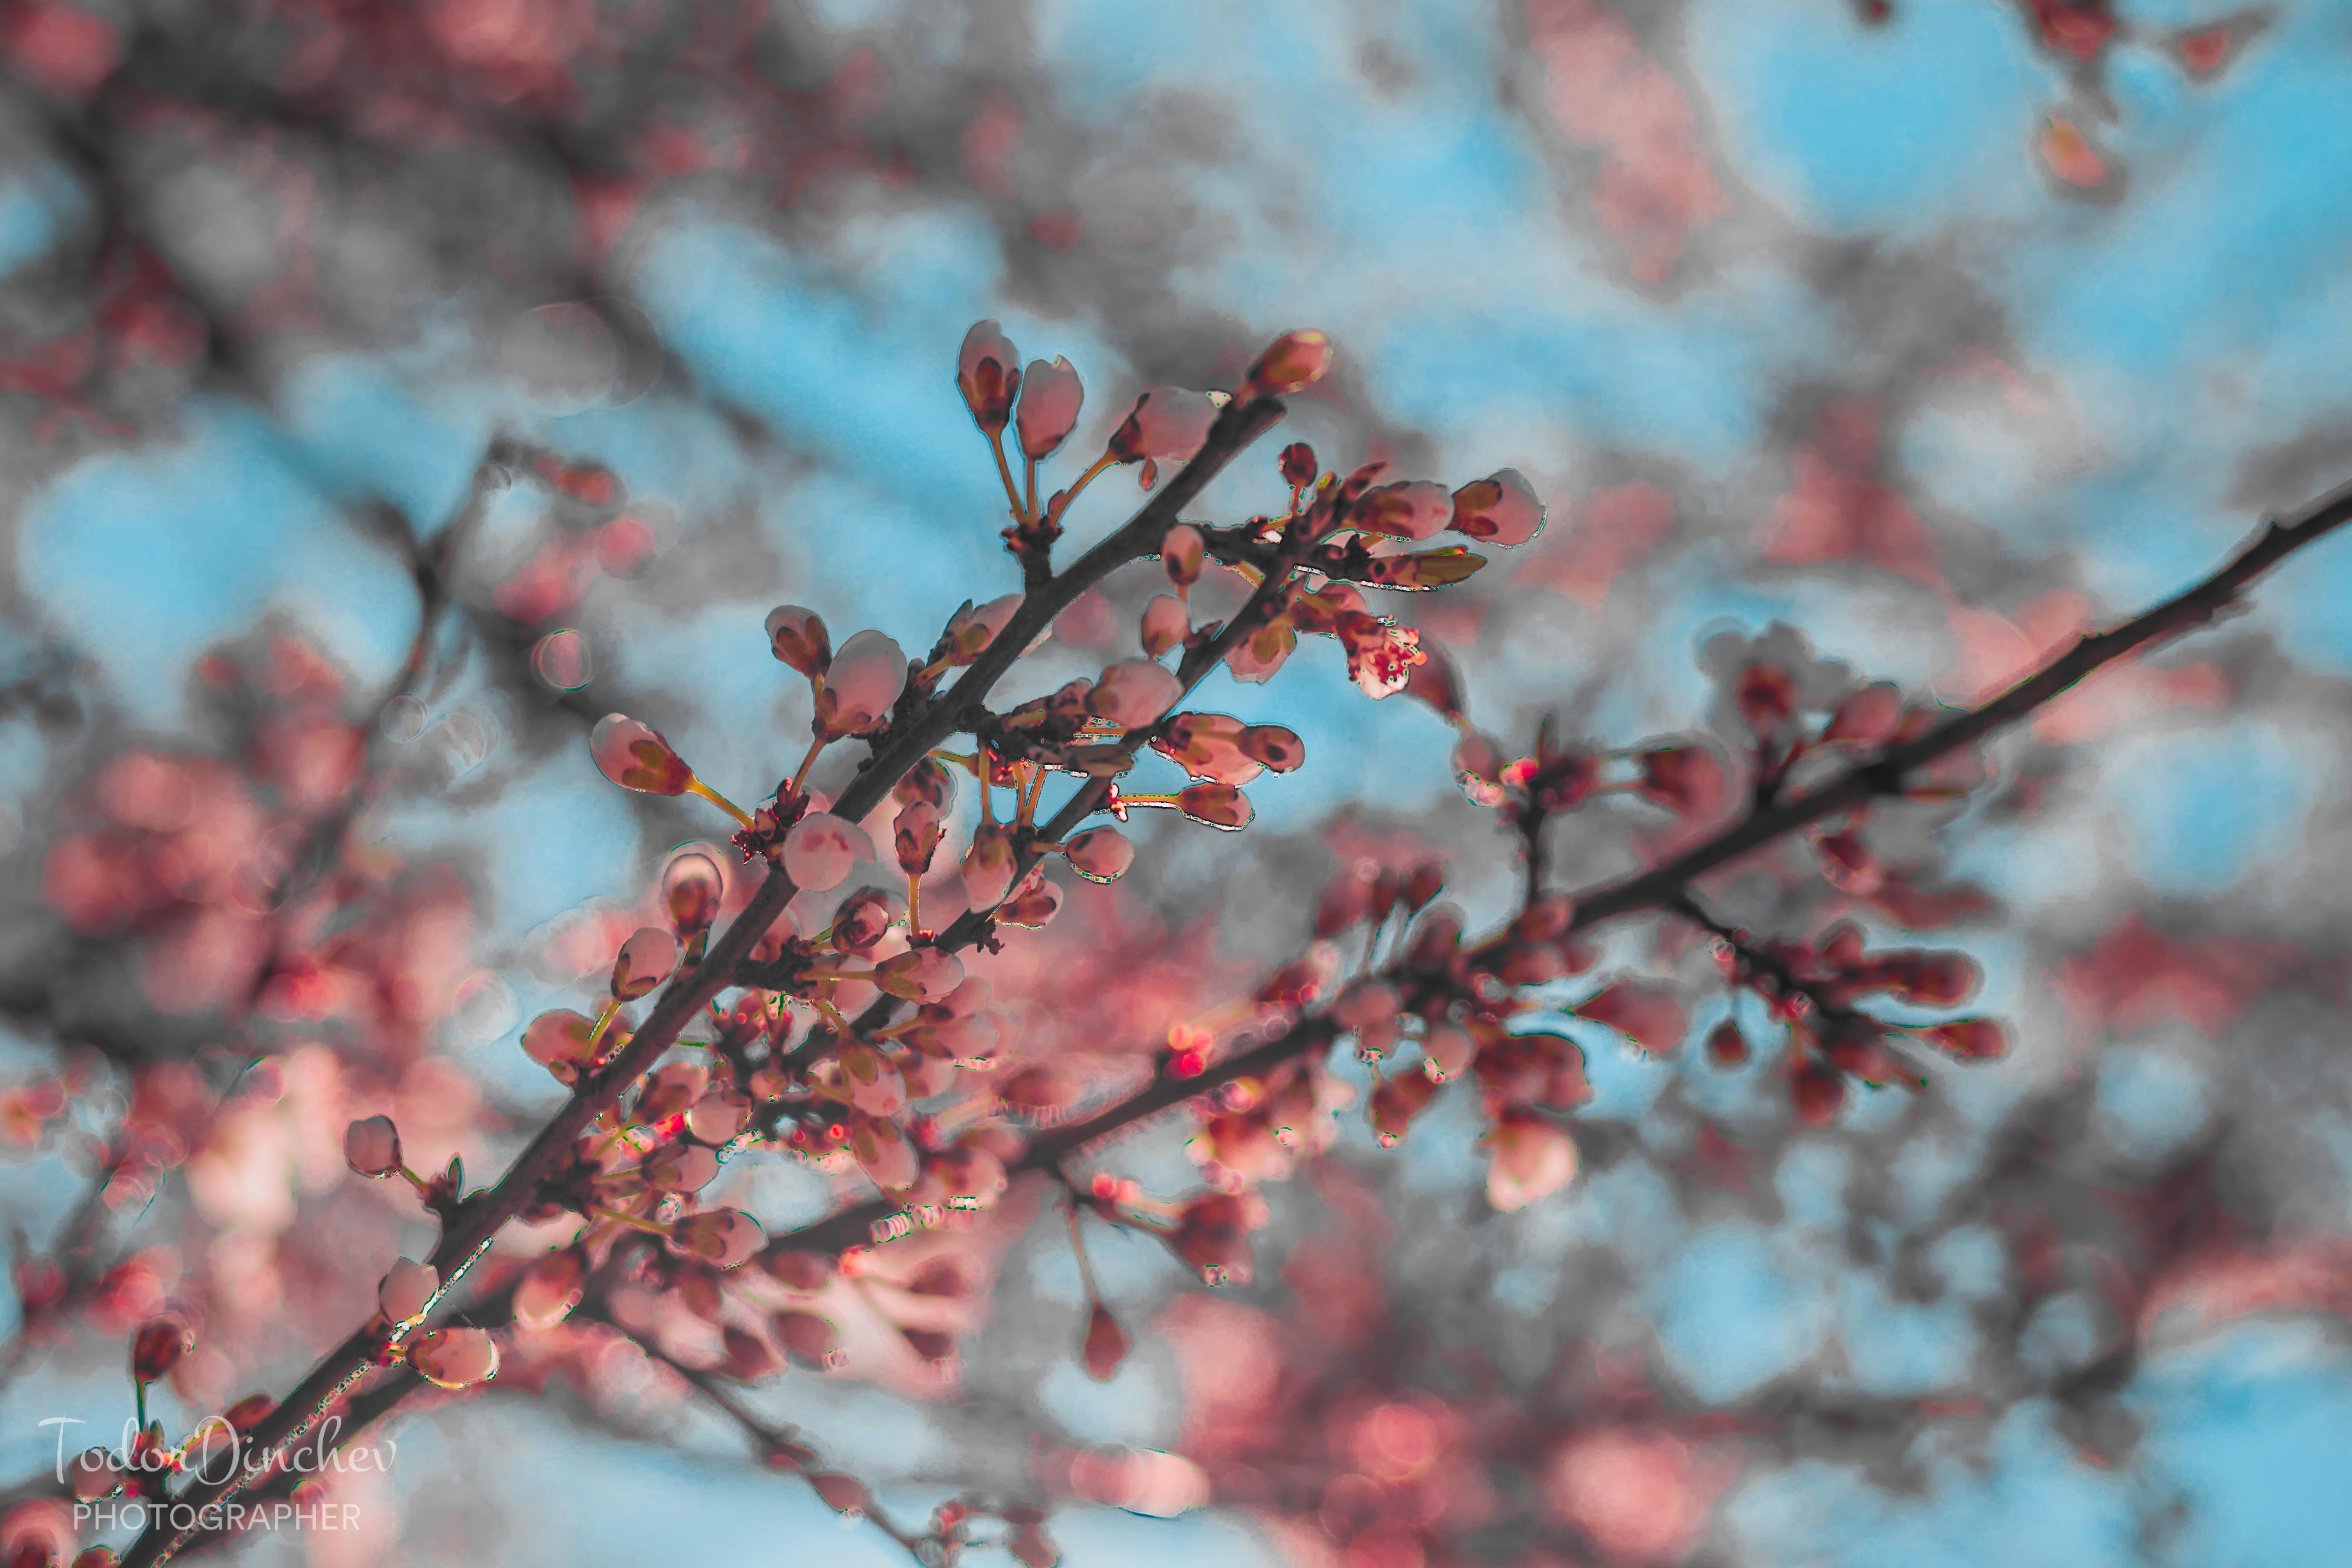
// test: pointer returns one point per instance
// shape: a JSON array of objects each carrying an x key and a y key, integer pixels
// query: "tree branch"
[{"x": 480, "y": 1217}]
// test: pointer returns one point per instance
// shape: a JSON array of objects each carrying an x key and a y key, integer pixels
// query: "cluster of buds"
[{"x": 1813, "y": 988}]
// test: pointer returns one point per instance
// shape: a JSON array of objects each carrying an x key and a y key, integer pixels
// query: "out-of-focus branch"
[{"x": 771, "y": 1440}]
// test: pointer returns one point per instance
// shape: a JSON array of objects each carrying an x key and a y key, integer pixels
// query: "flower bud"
[
  {"x": 718, "y": 1116},
  {"x": 750, "y": 1358},
  {"x": 1165, "y": 423},
  {"x": 821, "y": 848},
  {"x": 1298, "y": 465},
  {"x": 843, "y": 1494},
  {"x": 679, "y": 1168},
  {"x": 971, "y": 631},
  {"x": 872, "y": 1084},
  {"x": 1050, "y": 398},
  {"x": 1180, "y": 553},
  {"x": 1101, "y": 854},
  {"x": 915, "y": 836},
  {"x": 637, "y": 757},
  {"x": 406, "y": 1289},
  {"x": 1134, "y": 693},
  {"x": 919, "y": 973},
  {"x": 455, "y": 1358},
  {"x": 1033, "y": 904},
  {"x": 1414, "y": 509},
  {"x": 1447, "y": 1051},
  {"x": 644, "y": 961},
  {"x": 1105, "y": 1345},
  {"x": 798, "y": 638},
  {"x": 548, "y": 1290},
  {"x": 862, "y": 686},
  {"x": 988, "y": 867},
  {"x": 1500, "y": 509},
  {"x": 691, "y": 890},
  {"x": 1215, "y": 805},
  {"x": 865, "y": 918},
  {"x": 988, "y": 373},
  {"x": 246, "y": 1413},
  {"x": 883, "y": 1151},
  {"x": 1530, "y": 1157},
  {"x": 927, "y": 781},
  {"x": 1279, "y": 749},
  {"x": 158, "y": 1346},
  {"x": 808, "y": 1336},
  {"x": 724, "y": 1237},
  {"x": 372, "y": 1147},
  {"x": 1165, "y": 625},
  {"x": 559, "y": 1040},
  {"x": 95, "y": 1475},
  {"x": 1293, "y": 361}
]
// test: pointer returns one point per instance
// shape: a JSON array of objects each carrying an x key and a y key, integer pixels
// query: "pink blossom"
[
  {"x": 644, "y": 961},
  {"x": 988, "y": 373},
  {"x": 455, "y": 1358},
  {"x": 1134, "y": 693},
  {"x": 864, "y": 682},
  {"x": 406, "y": 1289},
  {"x": 1382, "y": 657},
  {"x": 1050, "y": 398},
  {"x": 637, "y": 757},
  {"x": 1447, "y": 1050},
  {"x": 820, "y": 849},
  {"x": 1166, "y": 422},
  {"x": 798, "y": 638},
  {"x": 1500, "y": 509}
]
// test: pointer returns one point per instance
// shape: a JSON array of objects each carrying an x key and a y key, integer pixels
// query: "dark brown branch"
[
  {"x": 1884, "y": 774},
  {"x": 1667, "y": 885},
  {"x": 480, "y": 1217}
]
